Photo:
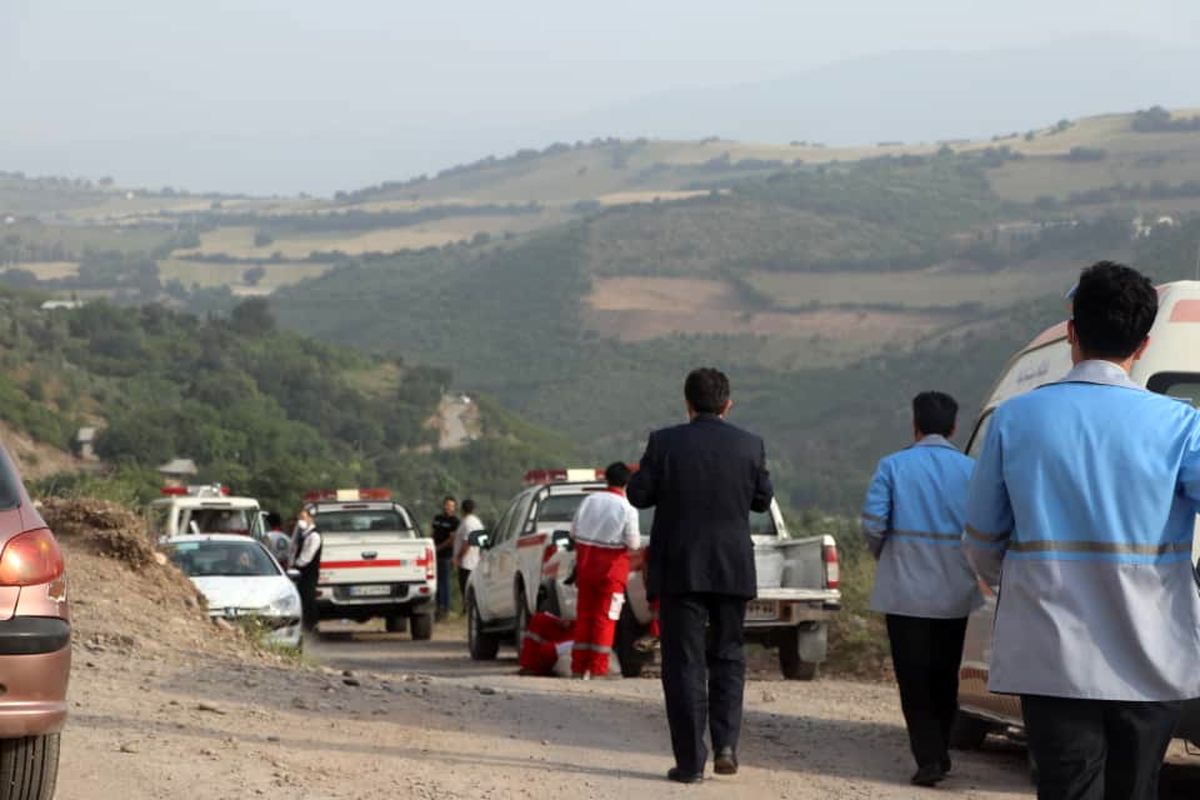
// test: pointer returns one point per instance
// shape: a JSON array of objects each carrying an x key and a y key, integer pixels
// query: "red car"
[{"x": 35, "y": 644}]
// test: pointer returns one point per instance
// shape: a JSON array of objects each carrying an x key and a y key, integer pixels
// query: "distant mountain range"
[{"x": 917, "y": 96}]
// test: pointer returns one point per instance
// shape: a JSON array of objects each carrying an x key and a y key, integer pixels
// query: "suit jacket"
[{"x": 703, "y": 480}]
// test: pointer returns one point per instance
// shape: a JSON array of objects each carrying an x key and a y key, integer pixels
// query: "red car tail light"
[
  {"x": 30, "y": 558},
  {"x": 830, "y": 556},
  {"x": 430, "y": 564}
]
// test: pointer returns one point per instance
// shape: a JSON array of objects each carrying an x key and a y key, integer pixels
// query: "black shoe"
[
  {"x": 679, "y": 776},
  {"x": 725, "y": 762},
  {"x": 946, "y": 764},
  {"x": 929, "y": 775}
]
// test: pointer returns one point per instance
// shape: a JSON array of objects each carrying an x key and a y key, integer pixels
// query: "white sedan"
[{"x": 240, "y": 579}]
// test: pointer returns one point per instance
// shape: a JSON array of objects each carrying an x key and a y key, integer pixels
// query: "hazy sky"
[{"x": 288, "y": 95}]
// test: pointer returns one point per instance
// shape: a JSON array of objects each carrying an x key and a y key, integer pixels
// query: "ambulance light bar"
[
  {"x": 568, "y": 475},
  {"x": 196, "y": 490},
  {"x": 346, "y": 495}
]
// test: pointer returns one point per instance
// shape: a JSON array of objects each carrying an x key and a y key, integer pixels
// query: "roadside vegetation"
[{"x": 271, "y": 413}]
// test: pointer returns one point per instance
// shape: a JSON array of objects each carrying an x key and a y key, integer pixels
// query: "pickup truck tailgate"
[{"x": 374, "y": 558}]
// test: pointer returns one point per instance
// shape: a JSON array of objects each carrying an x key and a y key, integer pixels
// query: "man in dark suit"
[{"x": 703, "y": 479}]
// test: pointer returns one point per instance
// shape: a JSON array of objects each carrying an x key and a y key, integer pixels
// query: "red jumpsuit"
[
  {"x": 605, "y": 529},
  {"x": 539, "y": 650},
  {"x": 600, "y": 577}
]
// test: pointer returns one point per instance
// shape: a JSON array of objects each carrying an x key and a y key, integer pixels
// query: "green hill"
[{"x": 270, "y": 413}]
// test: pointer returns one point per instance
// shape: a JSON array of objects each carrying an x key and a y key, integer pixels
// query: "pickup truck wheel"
[
  {"x": 791, "y": 665},
  {"x": 28, "y": 767},
  {"x": 481, "y": 645},
  {"x": 394, "y": 624},
  {"x": 421, "y": 626},
  {"x": 633, "y": 661},
  {"x": 968, "y": 732}
]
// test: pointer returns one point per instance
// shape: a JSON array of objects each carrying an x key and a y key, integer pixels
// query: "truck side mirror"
[
  {"x": 479, "y": 539},
  {"x": 562, "y": 540}
]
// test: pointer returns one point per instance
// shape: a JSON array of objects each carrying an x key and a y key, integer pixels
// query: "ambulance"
[
  {"x": 1170, "y": 366},
  {"x": 203, "y": 509},
  {"x": 527, "y": 564}
]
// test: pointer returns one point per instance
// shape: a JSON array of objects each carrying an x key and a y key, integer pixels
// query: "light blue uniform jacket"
[
  {"x": 1082, "y": 508},
  {"x": 913, "y": 522}
]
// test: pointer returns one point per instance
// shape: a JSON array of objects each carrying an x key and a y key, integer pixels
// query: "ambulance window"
[
  {"x": 1184, "y": 385},
  {"x": 976, "y": 443}
]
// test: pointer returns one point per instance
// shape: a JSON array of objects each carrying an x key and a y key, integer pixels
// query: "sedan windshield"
[{"x": 210, "y": 559}]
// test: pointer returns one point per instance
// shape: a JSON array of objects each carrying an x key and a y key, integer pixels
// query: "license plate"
[
  {"x": 369, "y": 591},
  {"x": 759, "y": 610}
]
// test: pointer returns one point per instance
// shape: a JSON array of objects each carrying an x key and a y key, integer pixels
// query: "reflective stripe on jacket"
[
  {"x": 913, "y": 521},
  {"x": 1082, "y": 508}
]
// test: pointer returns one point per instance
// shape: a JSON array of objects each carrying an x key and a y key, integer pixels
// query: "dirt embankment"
[{"x": 124, "y": 594}]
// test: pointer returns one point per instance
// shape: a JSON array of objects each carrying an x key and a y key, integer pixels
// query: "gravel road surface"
[{"x": 383, "y": 716}]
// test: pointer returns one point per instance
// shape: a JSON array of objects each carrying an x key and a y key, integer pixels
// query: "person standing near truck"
[
  {"x": 912, "y": 521},
  {"x": 307, "y": 560},
  {"x": 605, "y": 530},
  {"x": 1082, "y": 509},
  {"x": 443, "y": 528},
  {"x": 703, "y": 478},
  {"x": 466, "y": 555}
]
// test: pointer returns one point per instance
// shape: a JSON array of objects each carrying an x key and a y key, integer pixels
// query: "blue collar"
[
  {"x": 934, "y": 440},
  {"x": 1104, "y": 373}
]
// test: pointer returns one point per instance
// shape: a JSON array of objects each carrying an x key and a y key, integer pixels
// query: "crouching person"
[{"x": 605, "y": 530}]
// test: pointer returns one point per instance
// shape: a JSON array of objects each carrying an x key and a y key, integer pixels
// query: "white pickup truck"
[
  {"x": 527, "y": 562},
  {"x": 374, "y": 562}
]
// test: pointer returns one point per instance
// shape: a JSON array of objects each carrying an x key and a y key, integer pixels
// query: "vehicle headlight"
[{"x": 286, "y": 605}]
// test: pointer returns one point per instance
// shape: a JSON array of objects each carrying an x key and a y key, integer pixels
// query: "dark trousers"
[
  {"x": 1097, "y": 749},
  {"x": 308, "y": 599},
  {"x": 463, "y": 574},
  {"x": 445, "y": 569},
  {"x": 926, "y": 654},
  {"x": 703, "y": 673}
]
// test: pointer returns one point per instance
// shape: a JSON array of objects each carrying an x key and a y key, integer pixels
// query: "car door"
[
  {"x": 483, "y": 580},
  {"x": 504, "y": 577}
]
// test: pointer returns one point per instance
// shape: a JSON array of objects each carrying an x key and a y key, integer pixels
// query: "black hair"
[
  {"x": 274, "y": 520},
  {"x": 934, "y": 413},
  {"x": 617, "y": 474},
  {"x": 706, "y": 390},
  {"x": 468, "y": 506},
  {"x": 1114, "y": 308},
  {"x": 448, "y": 499}
]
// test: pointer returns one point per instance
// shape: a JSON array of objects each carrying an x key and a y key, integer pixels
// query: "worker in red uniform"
[{"x": 605, "y": 530}]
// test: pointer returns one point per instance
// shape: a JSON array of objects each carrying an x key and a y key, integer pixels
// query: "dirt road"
[{"x": 419, "y": 719}]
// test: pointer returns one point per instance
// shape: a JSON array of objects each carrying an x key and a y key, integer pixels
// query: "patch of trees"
[
  {"x": 1080, "y": 154},
  {"x": 271, "y": 228},
  {"x": 1128, "y": 192},
  {"x": 1157, "y": 119}
]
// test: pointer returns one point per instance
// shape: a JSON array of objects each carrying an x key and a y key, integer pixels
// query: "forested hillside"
[
  {"x": 519, "y": 319},
  {"x": 270, "y": 413}
]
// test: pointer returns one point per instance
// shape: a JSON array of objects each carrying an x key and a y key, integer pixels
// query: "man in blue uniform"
[
  {"x": 1082, "y": 508},
  {"x": 913, "y": 520}
]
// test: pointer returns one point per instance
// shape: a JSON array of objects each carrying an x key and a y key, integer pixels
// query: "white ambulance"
[
  {"x": 527, "y": 563},
  {"x": 1171, "y": 366},
  {"x": 203, "y": 509}
]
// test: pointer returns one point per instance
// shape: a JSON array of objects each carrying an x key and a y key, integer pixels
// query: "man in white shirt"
[
  {"x": 605, "y": 530},
  {"x": 466, "y": 555}
]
